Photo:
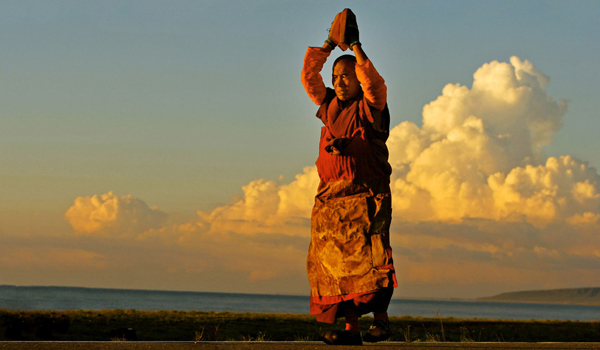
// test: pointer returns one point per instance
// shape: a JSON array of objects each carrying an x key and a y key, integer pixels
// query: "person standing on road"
[{"x": 349, "y": 264}]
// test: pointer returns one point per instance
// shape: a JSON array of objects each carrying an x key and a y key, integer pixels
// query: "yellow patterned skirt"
[{"x": 350, "y": 257}]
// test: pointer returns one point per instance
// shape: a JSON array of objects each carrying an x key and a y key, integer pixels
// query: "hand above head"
[
  {"x": 351, "y": 36},
  {"x": 334, "y": 37},
  {"x": 343, "y": 31}
]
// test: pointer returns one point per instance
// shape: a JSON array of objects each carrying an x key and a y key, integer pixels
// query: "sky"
[{"x": 171, "y": 145}]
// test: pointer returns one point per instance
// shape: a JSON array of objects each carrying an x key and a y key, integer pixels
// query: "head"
[{"x": 344, "y": 78}]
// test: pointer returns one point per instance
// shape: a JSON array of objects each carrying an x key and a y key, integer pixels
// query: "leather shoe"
[
  {"x": 341, "y": 337},
  {"x": 379, "y": 331}
]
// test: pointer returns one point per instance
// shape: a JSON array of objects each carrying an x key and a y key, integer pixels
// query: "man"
[{"x": 349, "y": 262}]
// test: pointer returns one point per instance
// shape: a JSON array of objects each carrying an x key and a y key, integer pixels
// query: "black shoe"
[
  {"x": 379, "y": 331},
  {"x": 341, "y": 338}
]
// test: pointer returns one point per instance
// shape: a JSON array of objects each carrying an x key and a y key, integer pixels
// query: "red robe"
[{"x": 350, "y": 258}]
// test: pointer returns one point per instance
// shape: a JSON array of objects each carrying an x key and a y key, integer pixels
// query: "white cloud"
[
  {"x": 111, "y": 214},
  {"x": 479, "y": 153},
  {"x": 268, "y": 207},
  {"x": 561, "y": 188}
]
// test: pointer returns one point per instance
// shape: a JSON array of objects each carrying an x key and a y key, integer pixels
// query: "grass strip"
[{"x": 87, "y": 325}]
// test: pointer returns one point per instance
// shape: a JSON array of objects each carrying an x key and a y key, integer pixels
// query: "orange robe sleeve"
[
  {"x": 311, "y": 74},
  {"x": 373, "y": 85}
]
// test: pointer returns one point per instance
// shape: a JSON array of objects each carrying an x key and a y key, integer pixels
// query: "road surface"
[{"x": 273, "y": 345}]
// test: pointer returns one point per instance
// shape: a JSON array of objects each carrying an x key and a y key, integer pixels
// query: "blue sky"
[{"x": 182, "y": 103}]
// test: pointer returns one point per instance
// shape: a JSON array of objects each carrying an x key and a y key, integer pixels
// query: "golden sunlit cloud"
[
  {"x": 111, "y": 214},
  {"x": 466, "y": 159},
  {"x": 268, "y": 207}
]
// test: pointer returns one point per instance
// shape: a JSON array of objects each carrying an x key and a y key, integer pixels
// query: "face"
[{"x": 345, "y": 83}]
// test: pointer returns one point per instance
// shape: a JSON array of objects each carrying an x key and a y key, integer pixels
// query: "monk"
[{"x": 349, "y": 264}]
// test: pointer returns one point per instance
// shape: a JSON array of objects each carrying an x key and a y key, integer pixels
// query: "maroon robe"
[{"x": 350, "y": 258}]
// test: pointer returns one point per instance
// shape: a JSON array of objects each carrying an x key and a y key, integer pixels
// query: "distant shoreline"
[
  {"x": 589, "y": 296},
  {"x": 571, "y": 296},
  {"x": 538, "y": 302}
]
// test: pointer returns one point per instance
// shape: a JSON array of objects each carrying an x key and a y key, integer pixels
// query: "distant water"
[{"x": 72, "y": 298}]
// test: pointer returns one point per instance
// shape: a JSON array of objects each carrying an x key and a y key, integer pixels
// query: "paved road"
[{"x": 283, "y": 346}]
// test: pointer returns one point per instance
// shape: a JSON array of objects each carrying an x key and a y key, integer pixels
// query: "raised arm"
[
  {"x": 372, "y": 83},
  {"x": 313, "y": 64},
  {"x": 311, "y": 73},
  {"x": 361, "y": 56}
]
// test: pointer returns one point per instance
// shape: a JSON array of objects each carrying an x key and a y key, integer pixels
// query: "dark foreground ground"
[
  {"x": 158, "y": 327},
  {"x": 282, "y": 346}
]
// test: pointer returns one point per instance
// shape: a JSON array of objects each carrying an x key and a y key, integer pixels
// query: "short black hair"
[{"x": 343, "y": 58}]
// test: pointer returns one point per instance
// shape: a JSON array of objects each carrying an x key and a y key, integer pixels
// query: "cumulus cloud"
[
  {"x": 479, "y": 153},
  {"x": 111, "y": 214},
  {"x": 255, "y": 239},
  {"x": 268, "y": 207},
  {"x": 561, "y": 188}
]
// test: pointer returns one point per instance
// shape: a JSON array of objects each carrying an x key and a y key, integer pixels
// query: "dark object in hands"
[
  {"x": 343, "y": 31},
  {"x": 351, "y": 31}
]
